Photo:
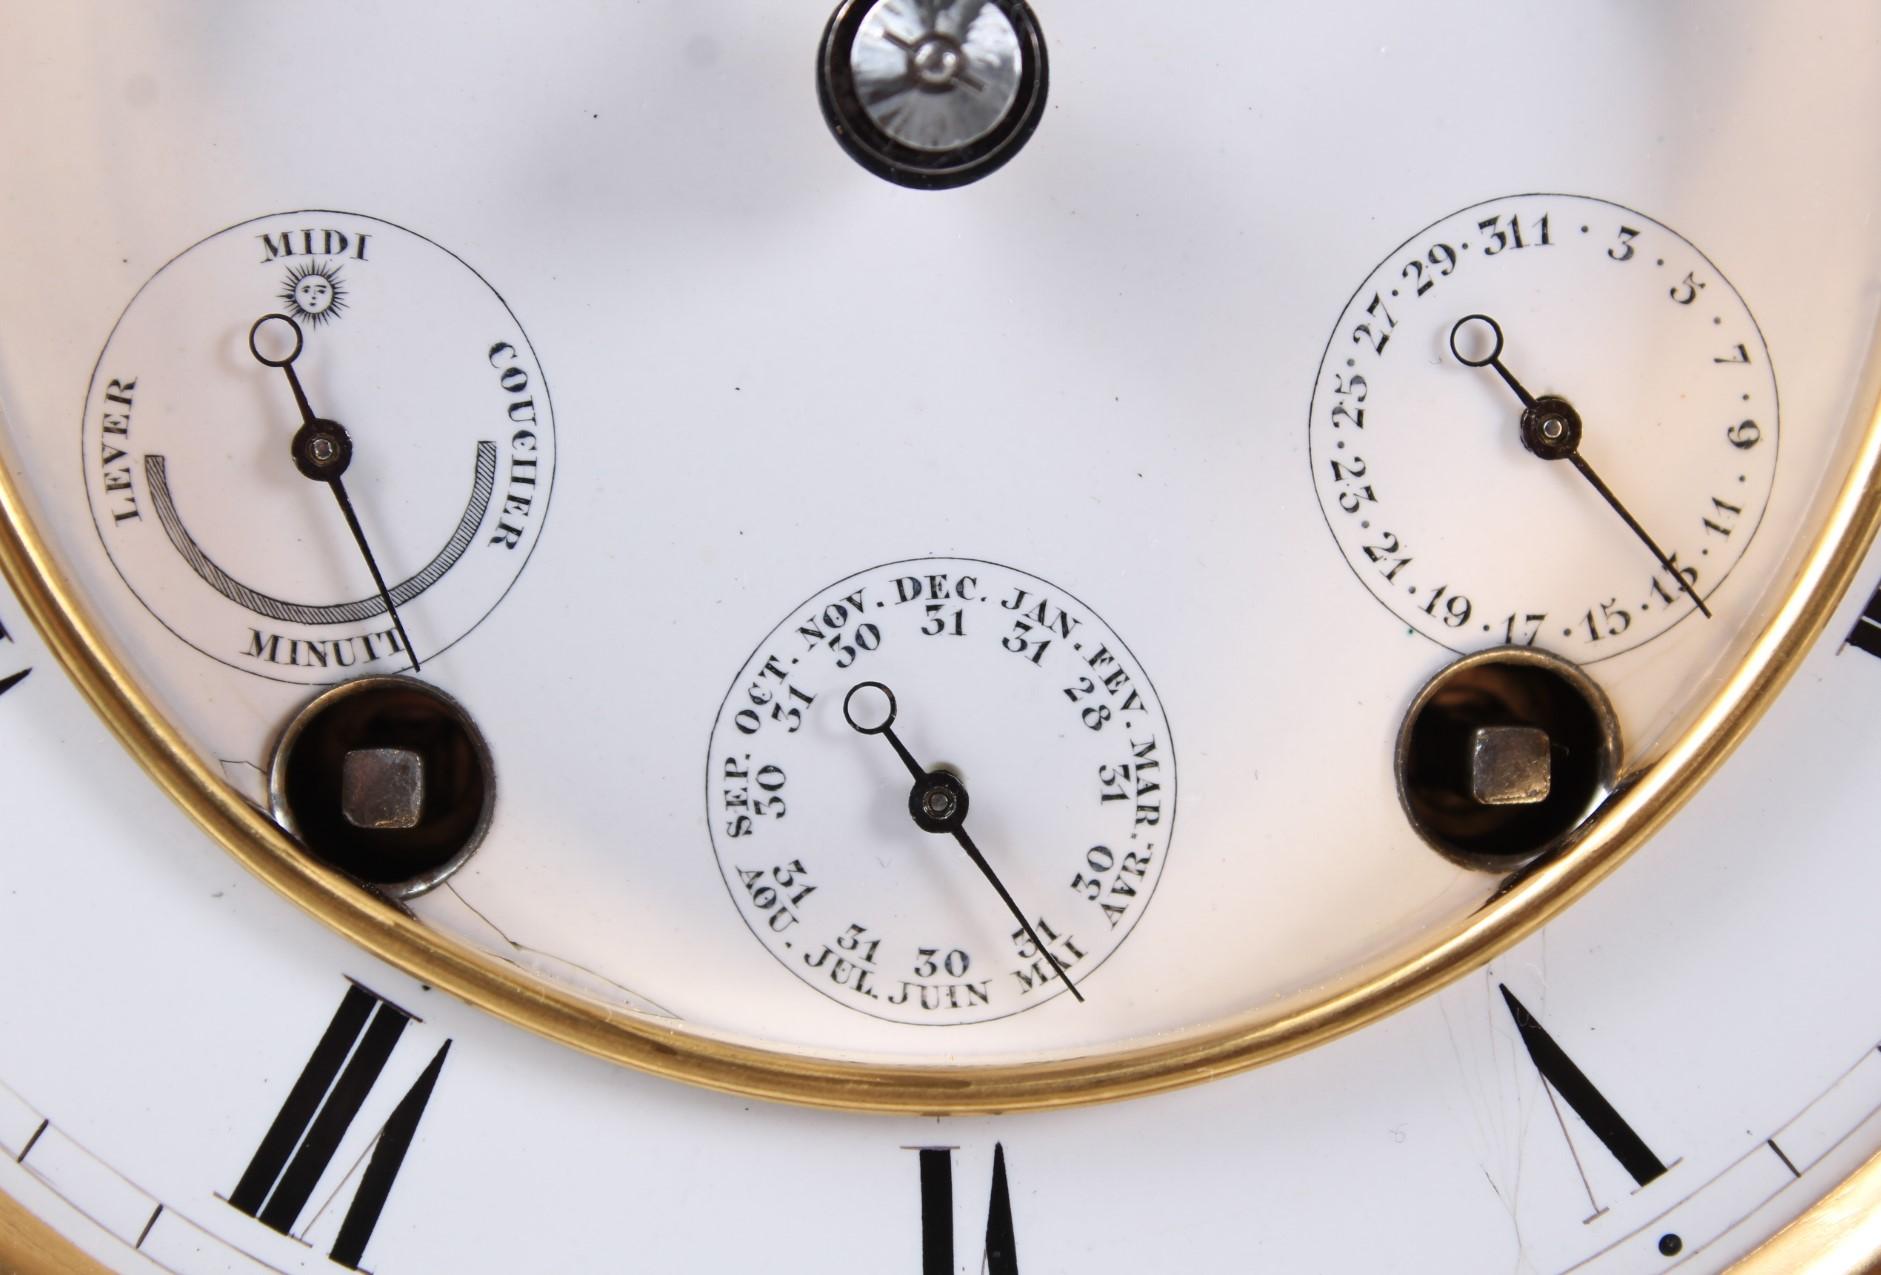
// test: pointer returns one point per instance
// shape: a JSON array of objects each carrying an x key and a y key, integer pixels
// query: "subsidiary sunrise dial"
[
  {"x": 941, "y": 792},
  {"x": 1545, "y": 420},
  {"x": 318, "y": 445}
]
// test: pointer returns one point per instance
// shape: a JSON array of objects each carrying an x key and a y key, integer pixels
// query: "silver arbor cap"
[
  {"x": 932, "y": 93},
  {"x": 936, "y": 75}
]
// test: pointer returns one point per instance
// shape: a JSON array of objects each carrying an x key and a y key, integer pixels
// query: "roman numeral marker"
[
  {"x": 1001, "y": 1255},
  {"x": 300, "y": 1145},
  {"x": 1866, "y": 635},
  {"x": 1564, "y": 1078},
  {"x": 8, "y": 683}
]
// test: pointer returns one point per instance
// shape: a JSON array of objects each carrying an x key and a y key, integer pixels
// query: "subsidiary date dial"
[
  {"x": 941, "y": 792},
  {"x": 1545, "y": 420}
]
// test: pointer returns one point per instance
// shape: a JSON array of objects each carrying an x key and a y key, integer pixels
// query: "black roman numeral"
[
  {"x": 1866, "y": 635},
  {"x": 13, "y": 680},
  {"x": 1001, "y": 1255},
  {"x": 1559, "y": 1071},
  {"x": 300, "y": 1144}
]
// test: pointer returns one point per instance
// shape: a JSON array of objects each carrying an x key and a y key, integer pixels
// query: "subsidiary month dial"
[
  {"x": 1530, "y": 330},
  {"x": 941, "y": 792}
]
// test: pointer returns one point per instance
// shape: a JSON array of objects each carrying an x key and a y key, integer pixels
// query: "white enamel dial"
[{"x": 1077, "y": 372}]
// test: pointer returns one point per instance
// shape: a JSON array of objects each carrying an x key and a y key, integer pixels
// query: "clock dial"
[
  {"x": 826, "y": 824},
  {"x": 1049, "y": 367},
  {"x": 409, "y": 385},
  {"x": 1423, "y": 436},
  {"x": 1473, "y": 1146}
]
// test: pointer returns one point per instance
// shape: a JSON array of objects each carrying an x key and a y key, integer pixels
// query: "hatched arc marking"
[{"x": 156, "y": 475}]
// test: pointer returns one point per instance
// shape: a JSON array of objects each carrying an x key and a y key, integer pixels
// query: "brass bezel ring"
[{"x": 665, "y": 1048}]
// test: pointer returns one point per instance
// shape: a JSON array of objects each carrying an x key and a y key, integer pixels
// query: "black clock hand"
[
  {"x": 322, "y": 450},
  {"x": 938, "y": 802},
  {"x": 378, "y": 580},
  {"x": 1551, "y": 429},
  {"x": 1606, "y": 493}
]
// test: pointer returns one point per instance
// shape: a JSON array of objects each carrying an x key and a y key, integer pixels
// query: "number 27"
[{"x": 1364, "y": 334}]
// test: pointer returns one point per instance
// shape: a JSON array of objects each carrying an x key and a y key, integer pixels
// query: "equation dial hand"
[{"x": 322, "y": 450}]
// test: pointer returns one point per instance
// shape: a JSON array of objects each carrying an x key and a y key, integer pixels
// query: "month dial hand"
[{"x": 938, "y": 800}]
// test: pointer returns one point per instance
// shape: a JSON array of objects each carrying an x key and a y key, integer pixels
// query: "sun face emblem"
[{"x": 315, "y": 292}]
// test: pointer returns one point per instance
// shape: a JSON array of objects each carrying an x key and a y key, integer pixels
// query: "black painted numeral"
[
  {"x": 1559, "y": 1071},
  {"x": 12, "y": 680},
  {"x": 1866, "y": 635},
  {"x": 1001, "y": 1256},
  {"x": 300, "y": 1144}
]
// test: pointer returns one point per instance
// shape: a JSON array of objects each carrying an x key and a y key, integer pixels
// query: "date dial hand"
[
  {"x": 322, "y": 450},
  {"x": 1551, "y": 429},
  {"x": 938, "y": 800}
]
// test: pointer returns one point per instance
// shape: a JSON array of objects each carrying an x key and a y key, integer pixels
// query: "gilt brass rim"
[
  {"x": 1840, "y": 1234},
  {"x": 31, "y": 1246},
  {"x": 664, "y": 1048}
]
